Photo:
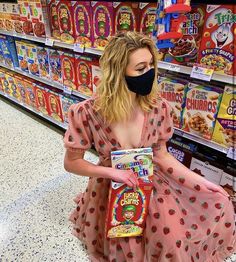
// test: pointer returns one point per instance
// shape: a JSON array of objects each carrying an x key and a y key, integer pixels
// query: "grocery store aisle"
[{"x": 36, "y": 193}]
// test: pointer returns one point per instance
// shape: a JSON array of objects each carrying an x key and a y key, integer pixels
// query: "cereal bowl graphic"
[
  {"x": 197, "y": 124},
  {"x": 218, "y": 63},
  {"x": 228, "y": 137}
]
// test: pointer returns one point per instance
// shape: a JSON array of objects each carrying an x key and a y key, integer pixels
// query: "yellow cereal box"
[{"x": 225, "y": 128}]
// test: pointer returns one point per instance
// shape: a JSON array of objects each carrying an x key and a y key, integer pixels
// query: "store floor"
[{"x": 36, "y": 193}]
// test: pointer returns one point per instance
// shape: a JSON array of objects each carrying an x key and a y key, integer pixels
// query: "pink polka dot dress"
[{"x": 186, "y": 221}]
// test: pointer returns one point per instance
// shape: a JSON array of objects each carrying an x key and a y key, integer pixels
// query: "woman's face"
[{"x": 140, "y": 61}]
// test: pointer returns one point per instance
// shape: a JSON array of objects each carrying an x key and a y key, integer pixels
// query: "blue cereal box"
[
  {"x": 55, "y": 68},
  {"x": 22, "y": 55},
  {"x": 43, "y": 60},
  {"x": 32, "y": 59}
]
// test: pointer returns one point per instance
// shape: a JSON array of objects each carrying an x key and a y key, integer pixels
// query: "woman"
[{"x": 190, "y": 218}]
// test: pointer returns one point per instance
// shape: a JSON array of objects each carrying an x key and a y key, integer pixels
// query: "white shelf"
[
  {"x": 45, "y": 81},
  {"x": 200, "y": 140},
  {"x": 62, "y": 125},
  {"x": 93, "y": 51},
  {"x": 187, "y": 70}
]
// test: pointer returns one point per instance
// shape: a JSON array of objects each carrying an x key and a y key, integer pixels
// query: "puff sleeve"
[
  {"x": 166, "y": 127},
  {"x": 78, "y": 135}
]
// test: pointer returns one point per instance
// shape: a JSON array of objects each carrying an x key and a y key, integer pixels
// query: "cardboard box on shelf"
[
  {"x": 29, "y": 85},
  {"x": 66, "y": 102},
  {"x": 217, "y": 46},
  {"x": 201, "y": 107},
  {"x": 83, "y": 23},
  {"x": 2, "y": 19},
  {"x": 32, "y": 59},
  {"x": 96, "y": 74},
  {"x": 41, "y": 99},
  {"x": 126, "y": 17},
  {"x": 103, "y": 19},
  {"x": 21, "y": 48},
  {"x": 68, "y": 71},
  {"x": 43, "y": 60},
  {"x": 19, "y": 80},
  {"x": 53, "y": 18},
  {"x": 55, "y": 65},
  {"x": 148, "y": 17},
  {"x": 25, "y": 17},
  {"x": 9, "y": 26},
  {"x": 225, "y": 128}
]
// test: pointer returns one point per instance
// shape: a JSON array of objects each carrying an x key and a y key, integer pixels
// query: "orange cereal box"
[
  {"x": 53, "y": 17},
  {"x": 41, "y": 99},
  {"x": 54, "y": 103},
  {"x": 217, "y": 48},
  {"x": 68, "y": 71},
  {"x": 30, "y": 92}
]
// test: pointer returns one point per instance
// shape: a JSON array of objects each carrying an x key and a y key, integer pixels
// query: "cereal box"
[
  {"x": 8, "y": 18},
  {"x": 148, "y": 17},
  {"x": 54, "y": 104},
  {"x": 68, "y": 71},
  {"x": 55, "y": 68},
  {"x": 83, "y": 23},
  {"x": 172, "y": 89},
  {"x": 21, "y": 48},
  {"x": 217, "y": 43},
  {"x": 32, "y": 59},
  {"x": 2, "y": 60},
  {"x": 5, "y": 84},
  {"x": 25, "y": 17},
  {"x": 2, "y": 77},
  {"x": 186, "y": 49},
  {"x": 234, "y": 30},
  {"x": 15, "y": 14},
  {"x": 126, "y": 17},
  {"x": 9, "y": 83},
  {"x": 102, "y": 23},
  {"x": 30, "y": 92},
  {"x": 15, "y": 92},
  {"x": 66, "y": 21},
  {"x": 96, "y": 74},
  {"x": 8, "y": 48},
  {"x": 84, "y": 74},
  {"x": 43, "y": 60},
  {"x": 66, "y": 102},
  {"x": 53, "y": 17},
  {"x": 201, "y": 107},
  {"x": 21, "y": 87},
  {"x": 41, "y": 99},
  {"x": 2, "y": 22},
  {"x": 225, "y": 128}
]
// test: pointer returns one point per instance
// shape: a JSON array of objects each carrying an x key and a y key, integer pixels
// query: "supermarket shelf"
[
  {"x": 187, "y": 70},
  {"x": 93, "y": 51},
  {"x": 45, "y": 81},
  {"x": 62, "y": 125},
  {"x": 200, "y": 140}
]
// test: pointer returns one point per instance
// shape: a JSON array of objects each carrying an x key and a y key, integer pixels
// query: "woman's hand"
[
  {"x": 215, "y": 188},
  {"x": 125, "y": 176}
]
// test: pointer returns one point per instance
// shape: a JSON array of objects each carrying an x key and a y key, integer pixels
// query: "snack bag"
[
  {"x": 172, "y": 89},
  {"x": 217, "y": 43},
  {"x": 148, "y": 17},
  {"x": 225, "y": 128},
  {"x": 103, "y": 13},
  {"x": 201, "y": 107}
]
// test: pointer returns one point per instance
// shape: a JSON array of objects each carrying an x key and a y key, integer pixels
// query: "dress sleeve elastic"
[
  {"x": 166, "y": 129},
  {"x": 78, "y": 136}
]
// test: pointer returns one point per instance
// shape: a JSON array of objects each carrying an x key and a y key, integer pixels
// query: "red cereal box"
[
  {"x": 41, "y": 99},
  {"x": 25, "y": 17},
  {"x": 186, "y": 49},
  {"x": 103, "y": 23},
  {"x": 148, "y": 17},
  {"x": 19, "y": 80},
  {"x": 96, "y": 74},
  {"x": 126, "y": 16},
  {"x": 29, "y": 85},
  {"x": 68, "y": 71},
  {"x": 66, "y": 21},
  {"x": 54, "y": 103},
  {"x": 84, "y": 74},
  {"x": 53, "y": 17},
  {"x": 217, "y": 43},
  {"x": 83, "y": 23}
]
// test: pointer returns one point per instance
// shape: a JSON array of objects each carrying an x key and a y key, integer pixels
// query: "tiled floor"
[{"x": 36, "y": 193}]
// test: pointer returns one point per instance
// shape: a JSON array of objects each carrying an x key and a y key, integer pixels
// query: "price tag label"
[
  {"x": 67, "y": 90},
  {"x": 78, "y": 48},
  {"x": 174, "y": 68},
  {"x": 202, "y": 73},
  {"x": 232, "y": 153},
  {"x": 49, "y": 41}
]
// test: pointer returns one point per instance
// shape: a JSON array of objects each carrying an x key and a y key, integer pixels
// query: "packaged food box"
[
  {"x": 4, "y": 15},
  {"x": 173, "y": 89},
  {"x": 68, "y": 71},
  {"x": 43, "y": 60},
  {"x": 55, "y": 65},
  {"x": 225, "y": 127},
  {"x": 9, "y": 84},
  {"x": 32, "y": 59},
  {"x": 2, "y": 22},
  {"x": 29, "y": 85},
  {"x": 25, "y": 17},
  {"x": 8, "y": 48},
  {"x": 126, "y": 16},
  {"x": 84, "y": 74},
  {"x": 148, "y": 18},
  {"x": 186, "y": 49},
  {"x": 66, "y": 21},
  {"x": 15, "y": 92},
  {"x": 41, "y": 99},
  {"x": 2, "y": 77},
  {"x": 21, "y": 48},
  {"x": 66, "y": 102},
  {"x": 201, "y": 108},
  {"x": 15, "y": 16},
  {"x": 5, "y": 84},
  {"x": 2, "y": 60},
  {"x": 217, "y": 43},
  {"x": 55, "y": 108},
  {"x": 53, "y": 18},
  {"x": 96, "y": 74},
  {"x": 103, "y": 18},
  {"x": 83, "y": 23},
  {"x": 19, "y": 80},
  {"x": 8, "y": 18}
]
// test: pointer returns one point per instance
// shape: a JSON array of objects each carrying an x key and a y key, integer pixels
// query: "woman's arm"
[{"x": 181, "y": 174}]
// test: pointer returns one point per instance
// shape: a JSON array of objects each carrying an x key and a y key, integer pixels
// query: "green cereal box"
[
  {"x": 172, "y": 89},
  {"x": 225, "y": 128},
  {"x": 201, "y": 107}
]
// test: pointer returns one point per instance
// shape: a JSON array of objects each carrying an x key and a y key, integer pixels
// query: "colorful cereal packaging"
[
  {"x": 55, "y": 68},
  {"x": 43, "y": 60},
  {"x": 148, "y": 17}
]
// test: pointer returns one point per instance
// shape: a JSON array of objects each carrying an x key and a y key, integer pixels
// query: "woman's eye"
[{"x": 141, "y": 69}]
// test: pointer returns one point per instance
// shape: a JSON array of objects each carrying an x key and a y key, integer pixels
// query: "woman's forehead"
[{"x": 141, "y": 55}]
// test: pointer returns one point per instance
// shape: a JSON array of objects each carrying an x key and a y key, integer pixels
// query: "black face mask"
[{"x": 141, "y": 85}]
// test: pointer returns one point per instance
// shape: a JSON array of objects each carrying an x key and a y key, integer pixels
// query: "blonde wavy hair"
[{"x": 113, "y": 98}]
